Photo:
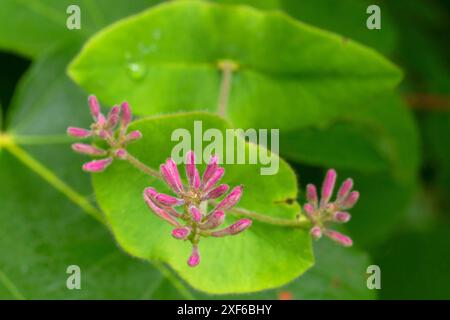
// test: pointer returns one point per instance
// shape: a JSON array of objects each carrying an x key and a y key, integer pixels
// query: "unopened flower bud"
[
  {"x": 195, "y": 214},
  {"x": 88, "y": 149},
  {"x": 97, "y": 165},
  {"x": 345, "y": 188},
  {"x": 311, "y": 194},
  {"x": 194, "y": 259},
  {"x": 316, "y": 232},
  {"x": 351, "y": 200},
  {"x": 339, "y": 238},
  {"x": 217, "y": 192},
  {"x": 168, "y": 200},
  {"x": 210, "y": 169},
  {"x": 231, "y": 199},
  {"x": 95, "y": 107},
  {"x": 341, "y": 216},
  {"x": 159, "y": 211},
  {"x": 120, "y": 153},
  {"x": 126, "y": 114},
  {"x": 235, "y": 228},
  {"x": 79, "y": 132},
  {"x": 217, "y": 175},
  {"x": 133, "y": 136},
  {"x": 181, "y": 233},
  {"x": 214, "y": 220},
  {"x": 328, "y": 186},
  {"x": 309, "y": 209}
]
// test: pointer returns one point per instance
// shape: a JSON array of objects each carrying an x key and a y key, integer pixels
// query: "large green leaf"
[
  {"x": 40, "y": 24},
  {"x": 43, "y": 233},
  {"x": 263, "y": 257}
]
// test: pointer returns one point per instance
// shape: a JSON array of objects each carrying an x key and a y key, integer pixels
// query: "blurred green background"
[{"x": 403, "y": 228}]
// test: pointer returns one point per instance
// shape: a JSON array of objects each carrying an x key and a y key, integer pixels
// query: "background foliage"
[{"x": 333, "y": 99}]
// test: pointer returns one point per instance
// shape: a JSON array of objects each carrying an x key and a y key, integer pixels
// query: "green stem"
[
  {"x": 52, "y": 179},
  {"x": 227, "y": 67},
  {"x": 142, "y": 167}
]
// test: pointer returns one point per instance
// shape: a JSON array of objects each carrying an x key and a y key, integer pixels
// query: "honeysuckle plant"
[{"x": 187, "y": 210}]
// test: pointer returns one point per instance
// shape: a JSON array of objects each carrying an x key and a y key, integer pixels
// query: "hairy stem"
[
  {"x": 227, "y": 67},
  {"x": 293, "y": 223}
]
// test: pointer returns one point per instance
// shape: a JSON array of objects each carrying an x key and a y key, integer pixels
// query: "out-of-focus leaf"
[
  {"x": 415, "y": 265},
  {"x": 42, "y": 233},
  {"x": 272, "y": 255},
  {"x": 40, "y": 24}
]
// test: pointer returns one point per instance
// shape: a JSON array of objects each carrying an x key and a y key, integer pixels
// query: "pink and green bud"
[
  {"x": 121, "y": 153},
  {"x": 151, "y": 193},
  {"x": 341, "y": 216},
  {"x": 210, "y": 169},
  {"x": 310, "y": 210},
  {"x": 216, "y": 192},
  {"x": 235, "y": 228},
  {"x": 339, "y": 238},
  {"x": 169, "y": 178},
  {"x": 171, "y": 165},
  {"x": 126, "y": 114},
  {"x": 194, "y": 259},
  {"x": 214, "y": 220},
  {"x": 311, "y": 194},
  {"x": 316, "y": 232},
  {"x": 181, "y": 233},
  {"x": 79, "y": 132},
  {"x": 231, "y": 199},
  {"x": 133, "y": 136},
  {"x": 351, "y": 200},
  {"x": 113, "y": 117},
  {"x": 217, "y": 175},
  {"x": 328, "y": 186},
  {"x": 167, "y": 200},
  {"x": 195, "y": 214},
  {"x": 191, "y": 168},
  {"x": 88, "y": 149},
  {"x": 345, "y": 188},
  {"x": 97, "y": 165},
  {"x": 95, "y": 107},
  {"x": 159, "y": 211}
]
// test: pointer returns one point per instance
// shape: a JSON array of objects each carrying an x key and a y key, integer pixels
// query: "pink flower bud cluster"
[
  {"x": 112, "y": 129},
  {"x": 323, "y": 212},
  {"x": 194, "y": 221}
]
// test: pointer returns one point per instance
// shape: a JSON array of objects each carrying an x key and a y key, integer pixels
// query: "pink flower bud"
[
  {"x": 235, "y": 228},
  {"x": 88, "y": 149},
  {"x": 151, "y": 193},
  {"x": 95, "y": 107},
  {"x": 196, "y": 182},
  {"x": 97, "y": 165},
  {"x": 210, "y": 169},
  {"x": 345, "y": 188},
  {"x": 181, "y": 233},
  {"x": 216, "y": 192},
  {"x": 217, "y": 175},
  {"x": 309, "y": 209},
  {"x": 328, "y": 186},
  {"x": 78, "y": 132},
  {"x": 339, "y": 238},
  {"x": 101, "y": 120},
  {"x": 214, "y": 220},
  {"x": 316, "y": 232},
  {"x": 169, "y": 178},
  {"x": 167, "y": 200},
  {"x": 133, "y": 136},
  {"x": 190, "y": 167},
  {"x": 195, "y": 214},
  {"x": 351, "y": 200},
  {"x": 126, "y": 115},
  {"x": 171, "y": 165},
  {"x": 311, "y": 194},
  {"x": 159, "y": 211},
  {"x": 341, "y": 216},
  {"x": 194, "y": 259},
  {"x": 121, "y": 153},
  {"x": 231, "y": 199}
]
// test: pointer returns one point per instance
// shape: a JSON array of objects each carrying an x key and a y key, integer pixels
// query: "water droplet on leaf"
[{"x": 136, "y": 70}]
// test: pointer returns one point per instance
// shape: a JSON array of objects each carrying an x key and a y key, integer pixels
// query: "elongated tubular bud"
[
  {"x": 97, "y": 165},
  {"x": 217, "y": 175},
  {"x": 195, "y": 213},
  {"x": 95, "y": 107},
  {"x": 167, "y": 200},
  {"x": 210, "y": 169},
  {"x": 345, "y": 188},
  {"x": 113, "y": 117},
  {"x": 216, "y": 192},
  {"x": 168, "y": 178},
  {"x": 316, "y": 232},
  {"x": 190, "y": 168},
  {"x": 341, "y": 216},
  {"x": 197, "y": 181},
  {"x": 133, "y": 136},
  {"x": 120, "y": 153},
  {"x": 311, "y": 194},
  {"x": 181, "y": 233},
  {"x": 172, "y": 166},
  {"x": 231, "y": 199},
  {"x": 160, "y": 212},
  {"x": 194, "y": 259},
  {"x": 126, "y": 115},
  {"x": 339, "y": 238},
  {"x": 235, "y": 228},
  {"x": 151, "y": 192},
  {"x": 350, "y": 201},
  {"x": 214, "y": 220},
  {"x": 88, "y": 149},
  {"x": 79, "y": 132},
  {"x": 310, "y": 210},
  {"x": 328, "y": 186}
]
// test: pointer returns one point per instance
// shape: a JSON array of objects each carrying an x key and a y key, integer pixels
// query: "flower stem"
[
  {"x": 303, "y": 224},
  {"x": 227, "y": 67}
]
